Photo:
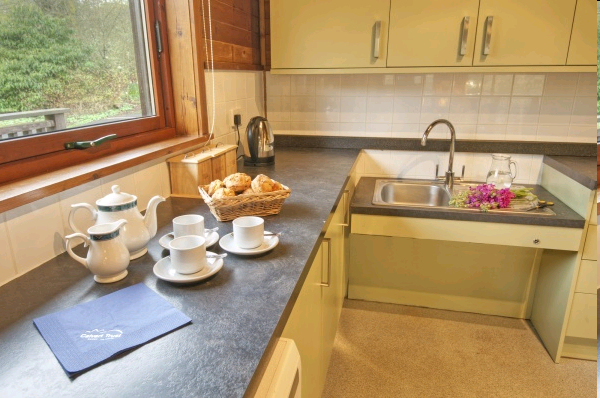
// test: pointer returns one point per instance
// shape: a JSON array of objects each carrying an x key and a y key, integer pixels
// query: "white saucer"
[
  {"x": 211, "y": 239},
  {"x": 163, "y": 270},
  {"x": 229, "y": 245}
]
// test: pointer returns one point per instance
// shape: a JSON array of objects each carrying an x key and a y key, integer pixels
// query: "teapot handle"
[
  {"x": 69, "y": 239},
  {"x": 72, "y": 215},
  {"x": 513, "y": 175}
]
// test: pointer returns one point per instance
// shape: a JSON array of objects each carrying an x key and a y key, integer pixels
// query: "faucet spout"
[{"x": 449, "y": 180}]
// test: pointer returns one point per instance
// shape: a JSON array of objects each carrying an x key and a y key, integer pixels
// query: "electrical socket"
[{"x": 231, "y": 118}]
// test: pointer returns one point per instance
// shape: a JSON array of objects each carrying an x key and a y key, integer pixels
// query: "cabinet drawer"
[
  {"x": 586, "y": 280},
  {"x": 582, "y": 322},
  {"x": 534, "y": 236},
  {"x": 591, "y": 244}
]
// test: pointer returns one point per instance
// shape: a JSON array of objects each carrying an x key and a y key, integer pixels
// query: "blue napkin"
[{"x": 89, "y": 333}]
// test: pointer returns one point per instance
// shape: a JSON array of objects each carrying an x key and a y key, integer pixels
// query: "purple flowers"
[{"x": 484, "y": 197}]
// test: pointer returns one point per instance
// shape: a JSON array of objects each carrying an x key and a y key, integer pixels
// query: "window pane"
[{"x": 72, "y": 63}]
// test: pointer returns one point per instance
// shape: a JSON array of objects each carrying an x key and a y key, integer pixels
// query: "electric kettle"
[{"x": 260, "y": 150}]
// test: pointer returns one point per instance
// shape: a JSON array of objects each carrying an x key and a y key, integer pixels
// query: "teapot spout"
[{"x": 150, "y": 216}]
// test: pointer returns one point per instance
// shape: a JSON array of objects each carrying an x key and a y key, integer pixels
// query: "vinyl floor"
[{"x": 388, "y": 350}]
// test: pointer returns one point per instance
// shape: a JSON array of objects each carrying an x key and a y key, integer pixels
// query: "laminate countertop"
[{"x": 237, "y": 315}]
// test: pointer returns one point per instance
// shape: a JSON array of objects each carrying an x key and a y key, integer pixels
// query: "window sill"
[{"x": 19, "y": 193}]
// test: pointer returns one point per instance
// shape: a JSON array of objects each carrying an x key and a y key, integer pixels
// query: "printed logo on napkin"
[{"x": 101, "y": 334}]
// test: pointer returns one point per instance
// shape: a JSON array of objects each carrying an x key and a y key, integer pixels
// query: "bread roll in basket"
[{"x": 245, "y": 204}]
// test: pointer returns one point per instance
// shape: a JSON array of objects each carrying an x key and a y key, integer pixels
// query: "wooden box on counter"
[{"x": 200, "y": 168}]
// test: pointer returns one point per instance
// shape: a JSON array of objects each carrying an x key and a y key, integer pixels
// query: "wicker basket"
[{"x": 256, "y": 204}]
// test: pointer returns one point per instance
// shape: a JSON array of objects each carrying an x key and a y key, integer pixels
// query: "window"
[{"x": 77, "y": 70}]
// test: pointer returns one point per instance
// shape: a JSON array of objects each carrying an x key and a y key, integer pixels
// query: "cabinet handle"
[
  {"x": 487, "y": 35},
  {"x": 328, "y": 240},
  {"x": 346, "y": 196},
  {"x": 464, "y": 34},
  {"x": 377, "y": 39},
  {"x": 536, "y": 241}
]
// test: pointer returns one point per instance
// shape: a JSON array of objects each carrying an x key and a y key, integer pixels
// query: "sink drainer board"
[{"x": 423, "y": 193}]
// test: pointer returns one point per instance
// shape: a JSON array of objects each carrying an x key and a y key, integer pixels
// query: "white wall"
[
  {"x": 482, "y": 106},
  {"x": 32, "y": 234}
]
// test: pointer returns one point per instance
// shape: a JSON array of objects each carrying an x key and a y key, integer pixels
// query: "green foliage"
[
  {"x": 76, "y": 54},
  {"x": 37, "y": 53}
]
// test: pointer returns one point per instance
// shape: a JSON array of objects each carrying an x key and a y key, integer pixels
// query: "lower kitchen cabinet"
[
  {"x": 314, "y": 318},
  {"x": 304, "y": 327}
]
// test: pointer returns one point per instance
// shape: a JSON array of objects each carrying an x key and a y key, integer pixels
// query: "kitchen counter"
[
  {"x": 236, "y": 315},
  {"x": 565, "y": 216},
  {"x": 579, "y": 168}
]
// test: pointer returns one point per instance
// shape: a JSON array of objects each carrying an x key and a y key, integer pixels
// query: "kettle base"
[{"x": 267, "y": 161}]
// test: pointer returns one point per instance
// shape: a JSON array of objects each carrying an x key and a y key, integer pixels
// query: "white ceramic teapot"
[
  {"x": 108, "y": 256},
  {"x": 118, "y": 205}
]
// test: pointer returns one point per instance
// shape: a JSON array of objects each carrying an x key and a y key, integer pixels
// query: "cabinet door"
[
  {"x": 431, "y": 33},
  {"x": 304, "y": 327},
  {"x": 328, "y": 34},
  {"x": 523, "y": 32},
  {"x": 582, "y": 50},
  {"x": 332, "y": 275}
]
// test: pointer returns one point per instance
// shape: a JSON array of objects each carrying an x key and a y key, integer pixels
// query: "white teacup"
[
  {"x": 188, "y": 254},
  {"x": 248, "y": 232},
  {"x": 189, "y": 224}
]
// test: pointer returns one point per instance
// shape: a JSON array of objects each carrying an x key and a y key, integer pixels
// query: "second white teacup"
[
  {"x": 248, "y": 232},
  {"x": 188, "y": 254},
  {"x": 189, "y": 224}
]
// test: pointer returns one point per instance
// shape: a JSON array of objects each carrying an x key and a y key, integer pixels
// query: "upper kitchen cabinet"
[
  {"x": 329, "y": 34},
  {"x": 582, "y": 50},
  {"x": 523, "y": 32},
  {"x": 432, "y": 33}
]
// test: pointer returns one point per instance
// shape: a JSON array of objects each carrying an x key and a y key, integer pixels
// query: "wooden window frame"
[{"x": 26, "y": 157}]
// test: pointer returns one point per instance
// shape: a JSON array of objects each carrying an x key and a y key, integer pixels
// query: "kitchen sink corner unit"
[{"x": 516, "y": 264}]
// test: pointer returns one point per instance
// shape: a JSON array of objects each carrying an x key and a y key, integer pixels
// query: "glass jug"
[{"x": 500, "y": 173}]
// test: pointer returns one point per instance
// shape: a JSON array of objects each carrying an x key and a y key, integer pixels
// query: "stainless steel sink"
[
  {"x": 428, "y": 193},
  {"x": 410, "y": 193}
]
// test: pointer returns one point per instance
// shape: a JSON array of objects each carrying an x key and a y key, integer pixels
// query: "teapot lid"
[{"x": 117, "y": 199}]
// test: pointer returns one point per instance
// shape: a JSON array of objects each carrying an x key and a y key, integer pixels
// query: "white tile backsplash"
[
  {"x": 438, "y": 84},
  {"x": 380, "y": 110},
  {"x": 422, "y": 165},
  {"x": 561, "y": 84},
  {"x": 467, "y": 84},
  {"x": 327, "y": 109},
  {"x": 528, "y": 84},
  {"x": 493, "y": 110},
  {"x": 353, "y": 85},
  {"x": 433, "y": 108},
  {"x": 556, "y": 110},
  {"x": 408, "y": 85},
  {"x": 524, "y": 110},
  {"x": 464, "y": 110},
  {"x": 36, "y": 233},
  {"x": 473, "y": 102},
  {"x": 381, "y": 85},
  {"x": 328, "y": 85},
  {"x": 353, "y": 109},
  {"x": 497, "y": 84}
]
